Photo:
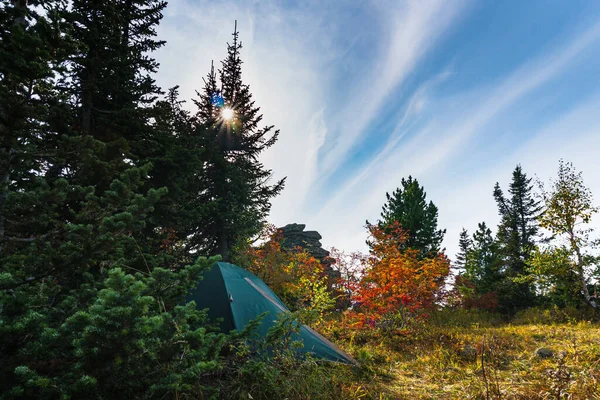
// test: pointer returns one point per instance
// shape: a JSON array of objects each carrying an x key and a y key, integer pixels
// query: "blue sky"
[{"x": 454, "y": 93}]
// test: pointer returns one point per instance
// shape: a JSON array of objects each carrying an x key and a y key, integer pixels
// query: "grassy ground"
[
  {"x": 455, "y": 355},
  {"x": 477, "y": 362}
]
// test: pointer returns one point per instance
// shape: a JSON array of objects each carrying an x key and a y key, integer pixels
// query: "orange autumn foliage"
[{"x": 396, "y": 282}]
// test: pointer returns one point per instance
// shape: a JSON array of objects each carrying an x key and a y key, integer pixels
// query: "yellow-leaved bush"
[{"x": 294, "y": 275}]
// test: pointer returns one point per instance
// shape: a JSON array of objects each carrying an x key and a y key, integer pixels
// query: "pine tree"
[
  {"x": 177, "y": 156},
  {"x": 517, "y": 233},
  {"x": 478, "y": 286},
  {"x": 464, "y": 246},
  {"x": 408, "y": 206},
  {"x": 238, "y": 182},
  {"x": 91, "y": 301},
  {"x": 483, "y": 260},
  {"x": 29, "y": 105}
]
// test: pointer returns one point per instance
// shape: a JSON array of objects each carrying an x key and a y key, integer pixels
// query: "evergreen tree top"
[
  {"x": 519, "y": 214},
  {"x": 408, "y": 206},
  {"x": 464, "y": 245},
  {"x": 231, "y": 70},
  {"x": 240, "y": 132},
  {"x": 237, "y": 182}
]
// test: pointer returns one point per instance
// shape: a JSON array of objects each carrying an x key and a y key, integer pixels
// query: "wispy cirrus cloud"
[
  {"x": 573, "y": 136},
  {"x": 408, "y": 30},
  {"x": 291, "y": 56},
  {"x": 281, "y": 54},
  {"x": 429, "y": 152},
  {"x": 366, "y": 93}
]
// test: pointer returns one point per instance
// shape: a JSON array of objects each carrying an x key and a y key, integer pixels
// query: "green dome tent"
[{"x": 238, "y": 296}]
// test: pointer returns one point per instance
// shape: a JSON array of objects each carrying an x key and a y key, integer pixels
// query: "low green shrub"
[
  {"x": 133, "y": 340},
  {"x": 268, "y": 368}
]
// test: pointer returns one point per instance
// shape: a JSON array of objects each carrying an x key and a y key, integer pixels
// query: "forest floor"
[{"x": 506, "y": 361}]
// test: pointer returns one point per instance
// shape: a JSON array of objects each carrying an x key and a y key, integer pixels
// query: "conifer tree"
[
  {"x": 479, "y": 285},
  {"x": 483, "y": 260},
  {"x": 408, "y": 206},
  {"x": 113, "y": 79},
  {"x": 115, "y": 117},
  {"x": 464, "y": 246},
  {"x": 91, "y": 303},
  {"x": 517, "y": 233},
  {"x": 238, "y": 183},
  {"x": 29, "y": 55},
  {"x": 177, "y": 156}
]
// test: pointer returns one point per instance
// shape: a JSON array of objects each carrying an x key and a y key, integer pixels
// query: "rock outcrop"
[{"x": 295, "y": 236}]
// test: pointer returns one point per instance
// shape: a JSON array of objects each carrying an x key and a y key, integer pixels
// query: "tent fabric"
[{"x": 238, "y": 296}]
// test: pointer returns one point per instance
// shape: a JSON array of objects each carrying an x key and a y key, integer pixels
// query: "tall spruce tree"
[
  {"x": 89, "y": 302},
  {"x": 408, "y": 206},
  {"x": 238, "y": 183},
  {"x": 517, "y": 234},
  {"x": 30, "y": 54},
  {"x": 112, "y": 75},
  {"x": 119, "y": 121}
]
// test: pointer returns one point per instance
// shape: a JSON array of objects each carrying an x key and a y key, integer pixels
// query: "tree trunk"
[
  {"x": 6, "y": 149},
  {"x": 584, "y": 288},
  {"x": 124, "y": 52},
  {"x": 224, "y": 246},
  {"x": 86, "y": 105},
  {"x": 4, "y": 180},
  {"x": 580, "y": 272},
  {"x": 88, "y": 87}
]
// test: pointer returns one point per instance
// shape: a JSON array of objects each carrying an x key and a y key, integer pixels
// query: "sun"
[{"x": 227, "y": 114}]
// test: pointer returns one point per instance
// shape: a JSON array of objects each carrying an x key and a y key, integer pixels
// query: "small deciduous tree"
[
  {"x": 568, "y": 211},
  {"x": 350, "y": 267},
  {"x": 294, "y": 275},
  {"x": 397, "y": 283},
  {"x": 550, "y": 270}
]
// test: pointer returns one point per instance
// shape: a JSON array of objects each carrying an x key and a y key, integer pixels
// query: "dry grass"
[{"x": 445, "y": 362}]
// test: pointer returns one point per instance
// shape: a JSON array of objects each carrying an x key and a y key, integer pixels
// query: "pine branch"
[
  {"x": 26, "y": 240},
  {"x": 27, "y": 281}
]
